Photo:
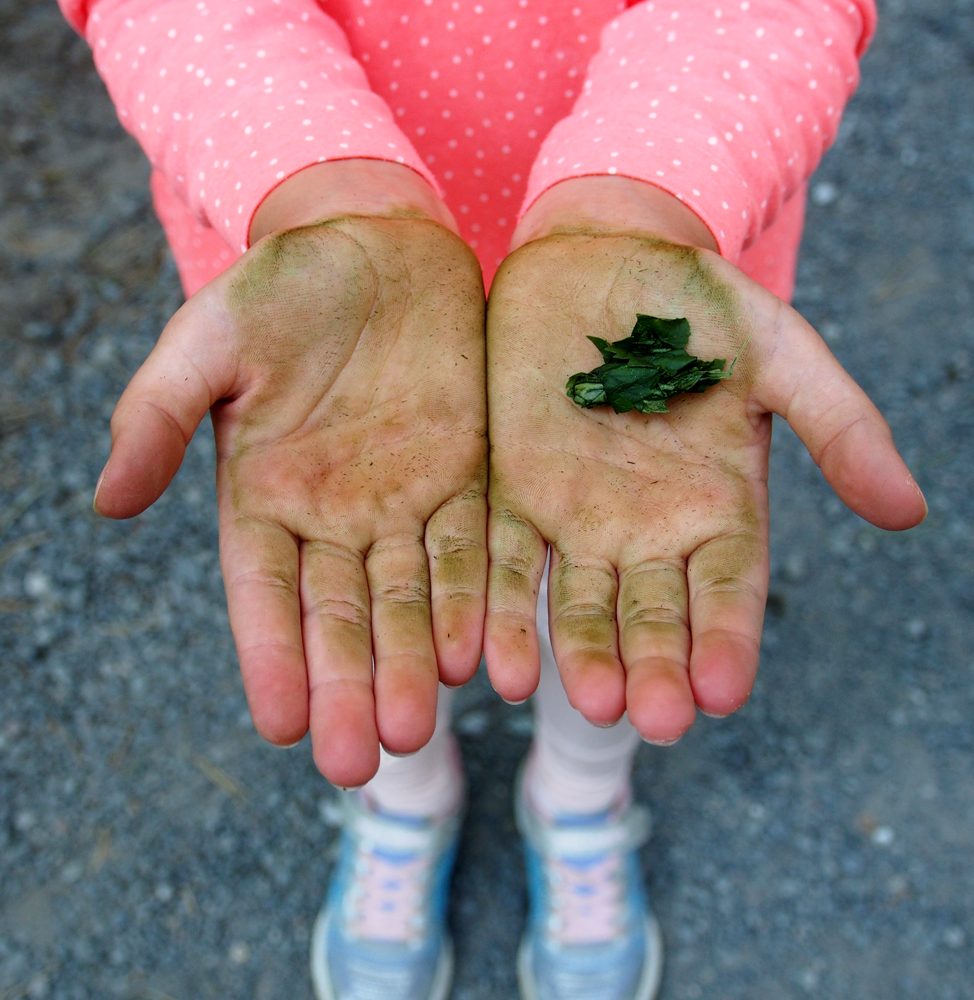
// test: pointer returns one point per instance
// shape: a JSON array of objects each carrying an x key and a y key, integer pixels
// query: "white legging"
[{"x": 574, "y": 767}]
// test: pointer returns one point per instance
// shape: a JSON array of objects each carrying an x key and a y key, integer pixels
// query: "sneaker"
[
  {"x": 591, "y": 935},
  {"x": 381, "y": 934}
]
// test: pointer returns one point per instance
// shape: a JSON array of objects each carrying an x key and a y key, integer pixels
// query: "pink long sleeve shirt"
[{"x": 727, "y": 104}]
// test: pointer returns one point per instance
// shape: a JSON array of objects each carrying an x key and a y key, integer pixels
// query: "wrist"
[
  {"x": 348, "y": 187},
  {"x": 612, "y": 205}
]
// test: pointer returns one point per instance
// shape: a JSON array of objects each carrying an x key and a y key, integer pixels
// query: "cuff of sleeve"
[
  {"x": 688, "y": 166},
  {"x": 253, "y": 163}
]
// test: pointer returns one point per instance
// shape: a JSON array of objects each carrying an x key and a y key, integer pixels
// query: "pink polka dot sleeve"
[
  {"x": 727, "y": 105},
  {"x": 230, "y": 97}
]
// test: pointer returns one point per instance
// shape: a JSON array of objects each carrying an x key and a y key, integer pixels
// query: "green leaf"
[
  {"x": 646, "y": 368},
  {"x": 673, "y": 332},
  {"x": 586, "y": 389},
  {"x": 652, "y": 406}
]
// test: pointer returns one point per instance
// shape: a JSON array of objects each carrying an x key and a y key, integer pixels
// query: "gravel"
[{"x": 817, "y": 844}]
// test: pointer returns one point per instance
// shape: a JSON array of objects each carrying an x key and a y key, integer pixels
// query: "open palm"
[
  {"x": 657, "y": 524},
  {"x": 344, "y": 365}
]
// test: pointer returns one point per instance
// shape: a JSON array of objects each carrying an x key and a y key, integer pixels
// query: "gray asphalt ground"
[{"x": 818, "y": 844}]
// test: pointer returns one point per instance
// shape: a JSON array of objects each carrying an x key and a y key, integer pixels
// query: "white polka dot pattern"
[
  {"x": 229, "y": 97},
  {"x": 727, "y": 105},
  {"x": 476, "y": 86}
]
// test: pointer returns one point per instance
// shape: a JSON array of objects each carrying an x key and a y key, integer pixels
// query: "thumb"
[
  {"x": 189, "y": 369},
  {"x": 845, "y": 434}
]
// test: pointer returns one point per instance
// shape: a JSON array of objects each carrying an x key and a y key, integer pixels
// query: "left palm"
[{"x": 658, "y": 524}]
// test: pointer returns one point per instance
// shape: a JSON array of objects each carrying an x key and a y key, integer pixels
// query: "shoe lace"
[
  {"x": 586, "y": 871},
  {"x": 586, "y": 899},
  {"x": 387, "y": 896}
]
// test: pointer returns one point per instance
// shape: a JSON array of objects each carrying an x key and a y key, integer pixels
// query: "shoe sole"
[
  {"x": 649, "y": 981},
  {"x": 321, "y": 979}
]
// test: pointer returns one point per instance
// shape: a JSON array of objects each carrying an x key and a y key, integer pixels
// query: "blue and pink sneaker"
[
  {"x": 591, "y": 934},
  {"x": 381, "y": 934}
]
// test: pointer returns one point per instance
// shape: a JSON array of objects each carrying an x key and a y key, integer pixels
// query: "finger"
[
  {"x": 159, "y": 411},
  {"x": 456, "y": 545},
  {"x": 405, "y": 661},
  {"x": 844, "y": 432},
  {"x": 654, "y": 638},
  {"x": 728, "y": 579},
  {"x": 337, "y": 631},
  {"x": 260, "y": 569},
  {"x": 517, "y": 556},
  {"x": 582, "y": 621}
]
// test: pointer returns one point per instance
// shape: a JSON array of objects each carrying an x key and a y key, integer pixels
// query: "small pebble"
[
  {"x": 916, "y": 628},
  {"x": 24, "y": 820},
  {"x": 239, "y": 953},
  {"x": 883, "y": 836},
  {"x": 37, "y": 584},
  {"x": 795, "y": 567},
  {"x": 824, "y": 193},
  {"x": 71, "y": 872},
  {"x": 954, "y": 937},
  {"x": 38, "y": 987}
]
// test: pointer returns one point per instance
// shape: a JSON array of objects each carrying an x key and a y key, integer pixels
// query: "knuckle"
[
  {"x": 513, "y": 564},
  {"x": 728, "y": 584},
  {"x": 350, "y": 613},
  {"x": 402, "y": 592},
  {"x": 584, "y": 609},
  {"x": 660, "y": 616},
  {"x": 453, "y": 546},
  {"x": 265, "y": 580},
  {"x": 585, "y": 623}
]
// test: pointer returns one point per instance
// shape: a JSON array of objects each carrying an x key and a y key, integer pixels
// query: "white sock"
[
  {"x": 428, "y": 783},
  {"x": 574, "y": 768}
]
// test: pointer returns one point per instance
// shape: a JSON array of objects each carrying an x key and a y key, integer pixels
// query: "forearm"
[
  {"x": 729, "y": 110},
  {"x": 228, "y": 102}
]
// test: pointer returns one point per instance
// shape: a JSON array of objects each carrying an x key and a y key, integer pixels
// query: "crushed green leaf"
[{"x": 646, "y": 369}]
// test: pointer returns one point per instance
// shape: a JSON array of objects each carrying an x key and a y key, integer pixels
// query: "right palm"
[{"x": 345, "y": 366}]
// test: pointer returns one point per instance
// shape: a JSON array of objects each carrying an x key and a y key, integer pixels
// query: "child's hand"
[
  {"x": 344, "y": 364},
  {"x": 658, "y": 524}
]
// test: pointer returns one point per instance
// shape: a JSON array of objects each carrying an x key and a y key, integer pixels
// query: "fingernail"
[
  {"x": 349, "y": 788},
  {"x": 661, "y": 743},
  {"x": 94, "y": 499},
  {"x": 507, "y": 701},
  {"x": 286, "y": 746},
  {"x": 392, "y": 753},
  {"x": 605, "y": 725},
  {"x": 916, "y": 486},
  {"x": 715, "y": 715}
]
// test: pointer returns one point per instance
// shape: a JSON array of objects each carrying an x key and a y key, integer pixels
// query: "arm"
[
  {"x": 657, "y": 524},
  {"x": 231, "y": 100},
  {"x": 727, "y": 107},
  {"x": 341, "y": 360}
]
